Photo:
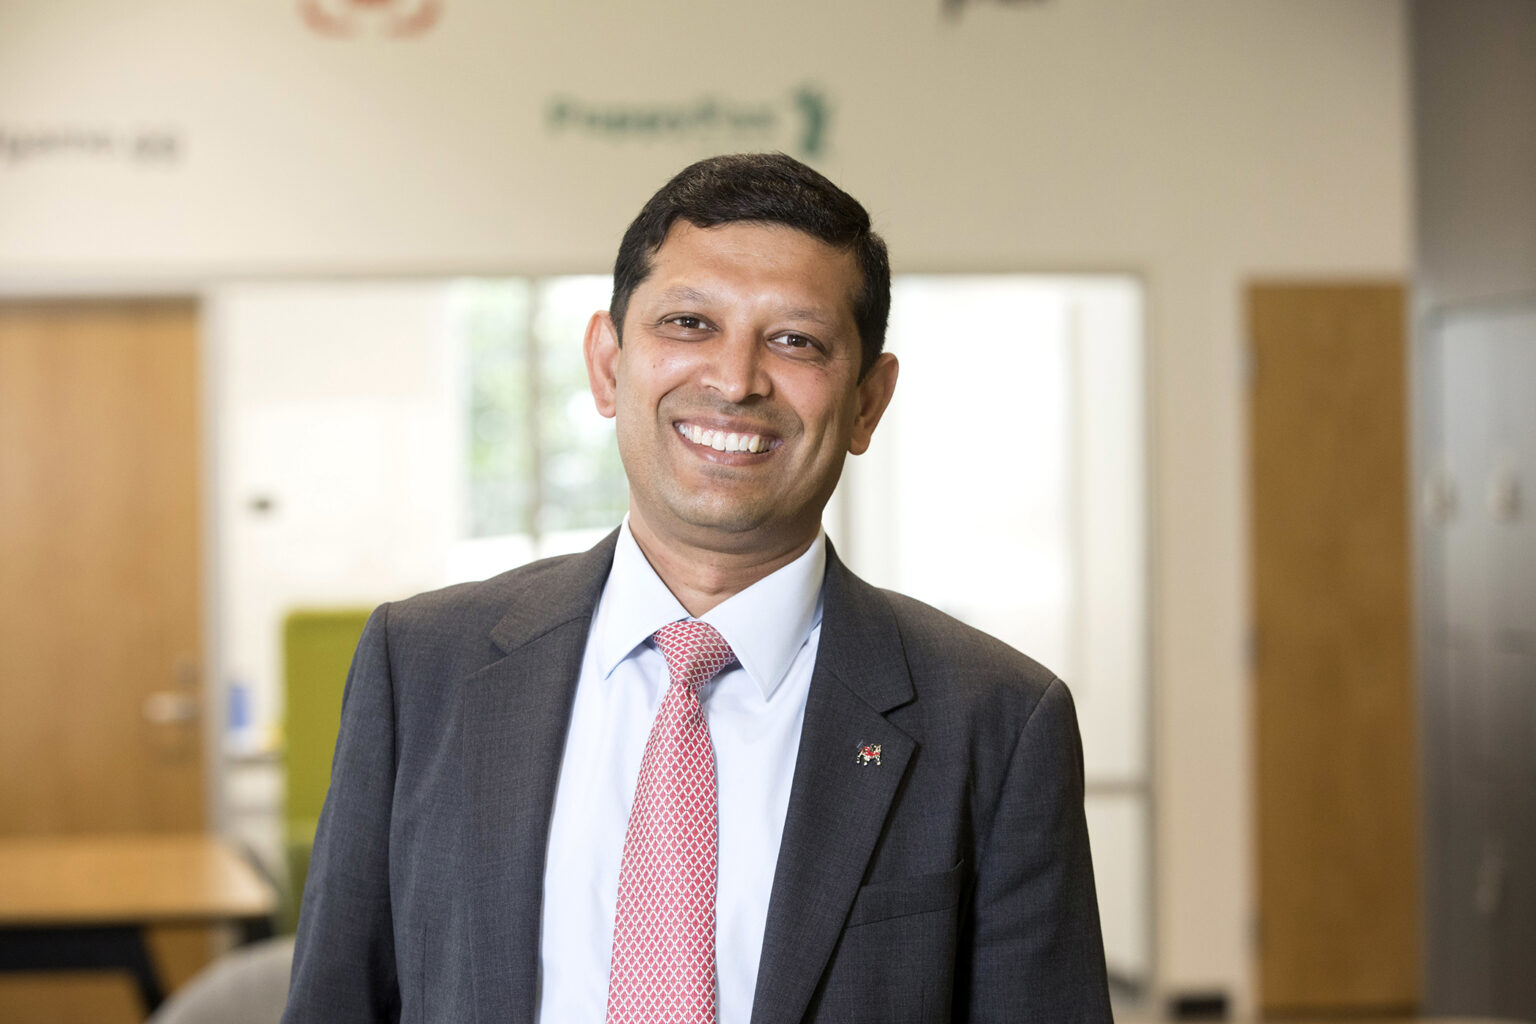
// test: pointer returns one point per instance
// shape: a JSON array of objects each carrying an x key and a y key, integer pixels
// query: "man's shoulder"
[
  {"x": 481, "y": 596},
  {"x": 555, "y": 590},
  {"x": 933, "y": 642},
  {"x": 931, "y": 637},
  {"x": 966, "y": 687}
]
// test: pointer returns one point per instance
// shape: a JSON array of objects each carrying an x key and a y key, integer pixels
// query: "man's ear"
[
  {"x": 601, "y": 347},
  {"x": 875, "y": 392}
]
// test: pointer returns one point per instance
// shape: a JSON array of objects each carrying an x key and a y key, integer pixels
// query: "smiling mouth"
[{"x": 724, "y": 440}]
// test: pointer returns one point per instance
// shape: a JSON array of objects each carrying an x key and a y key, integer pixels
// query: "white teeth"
[{"x": 723, "y": 441}]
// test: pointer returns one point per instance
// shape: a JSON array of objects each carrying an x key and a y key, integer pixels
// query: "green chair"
[{"x": 317, "y": 652}]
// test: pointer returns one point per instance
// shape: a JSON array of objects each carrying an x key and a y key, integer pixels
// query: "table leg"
[
  {"x": 106, "y": 948},
  {"x": 254, "y": 929}
]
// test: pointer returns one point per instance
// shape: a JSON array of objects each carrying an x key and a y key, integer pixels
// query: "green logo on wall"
[{"x": 796, "y": 123}]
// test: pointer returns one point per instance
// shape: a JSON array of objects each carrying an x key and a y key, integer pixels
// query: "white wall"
[
  {"x": 330, "y": 401},
  {"x": 336, "y": 484},
  {"x": 1197, "y": 143}
]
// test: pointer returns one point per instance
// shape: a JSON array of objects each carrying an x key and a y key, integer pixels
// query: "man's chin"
[
  {"x": 728, "y": 522},
  {"x": 736, "y": 528}
]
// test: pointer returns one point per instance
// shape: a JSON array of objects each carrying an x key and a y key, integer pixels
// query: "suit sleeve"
[
  {"x": 1036, "y": 953},
  {"x": 344, "y": 959}
]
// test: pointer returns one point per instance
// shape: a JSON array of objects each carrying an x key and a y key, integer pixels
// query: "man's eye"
[
  {"x": 686, "y": 321},
  {"x": 799, "y": 342}
]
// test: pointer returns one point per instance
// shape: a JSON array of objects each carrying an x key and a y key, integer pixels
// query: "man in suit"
[{"x": 889, "y": 804}]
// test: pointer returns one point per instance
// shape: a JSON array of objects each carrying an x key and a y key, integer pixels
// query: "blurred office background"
[{"x": 1218, "y": 351}]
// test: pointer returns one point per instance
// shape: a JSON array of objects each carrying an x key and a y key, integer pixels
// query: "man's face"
[{"x": 736, "y": 390}]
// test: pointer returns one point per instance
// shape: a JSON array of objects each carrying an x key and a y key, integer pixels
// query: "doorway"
[
  {"x": 100, "y": 598},
  {"x": 1337, "y": 801}
]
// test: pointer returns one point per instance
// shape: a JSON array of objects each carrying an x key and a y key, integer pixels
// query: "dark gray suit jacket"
[{"x": 951, "y": 881}]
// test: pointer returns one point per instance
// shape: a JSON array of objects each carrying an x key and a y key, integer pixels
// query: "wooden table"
[{"x": 71, "y": 902}]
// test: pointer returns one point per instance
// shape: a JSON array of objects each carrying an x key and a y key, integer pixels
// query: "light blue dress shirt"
[{"x": 755, "y": 709}]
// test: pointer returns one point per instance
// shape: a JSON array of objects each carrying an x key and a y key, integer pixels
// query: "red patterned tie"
[{"x": 664, "y": 933}]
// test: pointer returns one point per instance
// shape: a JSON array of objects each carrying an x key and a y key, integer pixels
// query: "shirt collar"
[{"x": 765, "y": 624}]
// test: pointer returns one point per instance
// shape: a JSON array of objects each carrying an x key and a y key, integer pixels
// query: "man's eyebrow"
[
  {"x": 813, "y": 315},
  {"x": 692, "y": 295},
  {"x": 685, "y": 293}
]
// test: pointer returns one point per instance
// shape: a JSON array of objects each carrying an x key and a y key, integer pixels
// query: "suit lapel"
[
  {"x": 515, "y": 714},
  {"x": 837, "y": 806}
]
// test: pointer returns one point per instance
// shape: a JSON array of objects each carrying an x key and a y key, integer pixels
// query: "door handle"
[
  {"x": 171, "y": 707},
  {"x": 178, "y": 706}
]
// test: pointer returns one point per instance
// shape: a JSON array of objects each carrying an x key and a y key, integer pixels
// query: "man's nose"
[{"x": 736, "y": 367}]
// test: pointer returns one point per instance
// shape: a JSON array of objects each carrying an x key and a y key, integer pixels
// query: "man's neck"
[{"x": 702, "y": 577}]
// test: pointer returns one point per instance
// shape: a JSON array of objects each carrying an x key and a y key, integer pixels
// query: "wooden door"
[
  {"x": 100, "y": 653},
  {"x": 1337, "y": 834}
]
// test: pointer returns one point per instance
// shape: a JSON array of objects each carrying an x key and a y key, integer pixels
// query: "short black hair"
[{"x": 774, "y": 189}]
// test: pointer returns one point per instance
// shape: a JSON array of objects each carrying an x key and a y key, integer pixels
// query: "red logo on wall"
[{"x": 341, "y": 18}]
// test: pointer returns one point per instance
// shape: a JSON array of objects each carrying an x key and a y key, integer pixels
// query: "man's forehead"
[
  {"x": 692, "y": 264},
  {"x": 765, "y": 238}
]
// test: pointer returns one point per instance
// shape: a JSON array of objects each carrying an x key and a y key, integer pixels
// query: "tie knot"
[{"x": 694, "y": 650}]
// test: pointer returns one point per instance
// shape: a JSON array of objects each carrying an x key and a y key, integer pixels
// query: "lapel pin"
[{"x": 869, "y": 753}]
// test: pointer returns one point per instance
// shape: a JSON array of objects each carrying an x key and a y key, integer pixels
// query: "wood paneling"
[
  {"x": 1337, "y": 839},
  {"x": 99, "y": 596}
]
